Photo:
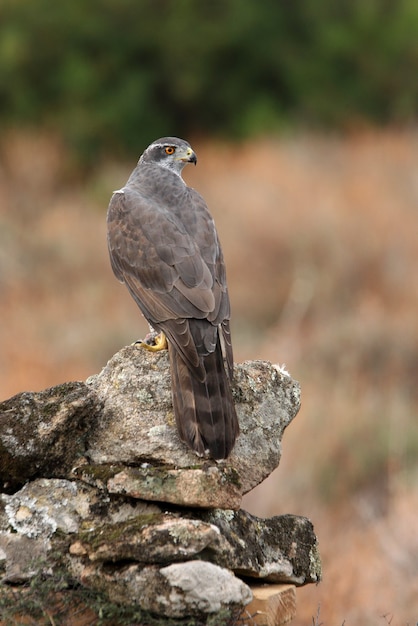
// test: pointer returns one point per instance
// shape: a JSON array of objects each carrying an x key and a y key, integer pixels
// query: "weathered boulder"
[
  {"x": 193, "y": 588},
  {"x": 200, "y": 586},
  {"x": 281, "y": 549},
  {"x": 207, "y": 486},
  {"x": 44, "y": 506},
  {"x": 42, "y": 433},
  {"x": 94, "y": 529},
  {"x": 156, "y": 538},
  {"x": 97, "y": 483},
  {"x": 36, "y": 523},
  {"x": 124, "y": 416},
  {"x": 137, "y": 421}
]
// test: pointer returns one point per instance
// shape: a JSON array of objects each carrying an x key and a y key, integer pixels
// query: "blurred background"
[{"x": 304, "y": 116}]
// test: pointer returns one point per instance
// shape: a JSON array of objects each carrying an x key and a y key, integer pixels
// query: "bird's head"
[{"x": 169, "y": 152}]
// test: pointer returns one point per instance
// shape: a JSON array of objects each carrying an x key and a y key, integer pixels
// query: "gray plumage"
[{"x": 164, "y": 246}]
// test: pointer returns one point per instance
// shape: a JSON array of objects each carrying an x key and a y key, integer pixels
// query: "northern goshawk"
[{"x": 164, "y": 246}]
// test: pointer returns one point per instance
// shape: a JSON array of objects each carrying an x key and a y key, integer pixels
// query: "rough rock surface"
[
  {"x": 157, "y": 539},
  {"x": 137, "y": 421},
  {"x": 96, "y": 480},
  {"x": 281, "y": 549},
  {"x": 124, "y": 416},
  {"x": 33, "y": 518},
  {"x": 42, "y": 433},
  {"x": 208, "y": 486},
  {"x": 193, "y": 588},
  {"x": 21, "y": 557}
]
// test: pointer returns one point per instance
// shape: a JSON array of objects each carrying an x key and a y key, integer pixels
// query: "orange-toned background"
[{"x": 320, "y": 235}]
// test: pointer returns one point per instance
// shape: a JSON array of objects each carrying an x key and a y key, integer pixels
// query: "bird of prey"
[{"x": 164, "y": 246}]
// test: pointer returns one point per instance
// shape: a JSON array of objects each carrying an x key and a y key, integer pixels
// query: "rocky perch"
[{"x": 96, "y": 482}]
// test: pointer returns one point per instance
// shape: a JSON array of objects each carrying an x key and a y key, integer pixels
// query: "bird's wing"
[{"x": 172, "y": 264}]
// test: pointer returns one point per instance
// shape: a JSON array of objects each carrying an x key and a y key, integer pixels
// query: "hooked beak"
[{"x": 188, "y": 156}]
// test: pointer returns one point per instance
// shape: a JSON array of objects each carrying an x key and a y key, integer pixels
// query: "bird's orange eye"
[{"x": 170, "y": 150}]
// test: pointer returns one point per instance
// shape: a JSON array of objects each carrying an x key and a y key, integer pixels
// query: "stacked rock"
[{"x": 132, "y": 512}]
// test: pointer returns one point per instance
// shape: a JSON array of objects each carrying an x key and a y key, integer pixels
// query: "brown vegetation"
[{"x": 320, "y": 236}]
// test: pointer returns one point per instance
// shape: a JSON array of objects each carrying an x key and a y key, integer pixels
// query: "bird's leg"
[
  {"x": 159, "y": 343},
  {"x": 154, "y": 341}
]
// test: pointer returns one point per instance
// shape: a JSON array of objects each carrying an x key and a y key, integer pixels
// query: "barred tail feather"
[{"x": 204, "y": 410}]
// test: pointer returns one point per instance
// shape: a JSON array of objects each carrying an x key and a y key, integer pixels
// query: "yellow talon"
[{"x": 160, "y": 343}]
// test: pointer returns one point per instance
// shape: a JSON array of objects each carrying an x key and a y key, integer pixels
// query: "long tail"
[{"x": 204, "y": 410}]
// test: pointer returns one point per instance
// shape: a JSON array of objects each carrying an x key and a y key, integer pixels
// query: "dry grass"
[{"x": 320, "y": 236}]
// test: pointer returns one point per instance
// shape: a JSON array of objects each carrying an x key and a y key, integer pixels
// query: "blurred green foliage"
[{"x": 115, "y": 74}]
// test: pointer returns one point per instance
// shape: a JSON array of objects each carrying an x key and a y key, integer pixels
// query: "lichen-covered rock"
[
  {"x": 209, "y": 486},
  {"x": 198, "y": 587},
  {"x": 190, "y": 589},
  {"x": 30, "y": 518},
  {"x": 267, "y": 400},
  {"x": 147, "y": 539},
  {"x": 281, "y": 549},
  {"x": 117, "y": 500},
  {"x": 124, "y": 416},
  {"x": 137, "y": 423},
  {"x": 42, "y": 433},
  {"x": 47, "y": 505},
  {"x": 44, "y": 506},
  {"x": 38, "y": 521}
]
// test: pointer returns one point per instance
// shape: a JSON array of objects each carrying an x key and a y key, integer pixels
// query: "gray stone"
[
  {"x": 281, "y": 549},
  {"x": 148, "y": 539},
  {"x": 124, "y": 416},
  {"x": 102, "y": 457},
  {"x": 267, "y": 400},
  {"x": 209, "y": 486},
  {"x": 21, "y": 557},
  {"x": 42, "y": 433},
  {"x": 137, "y": 422},
  {"x": 45, "y": 506},
  {"x": 190, "y": 589},
  {"x": 42, "y": 507},
  {"x": 201, "y": 588}
]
